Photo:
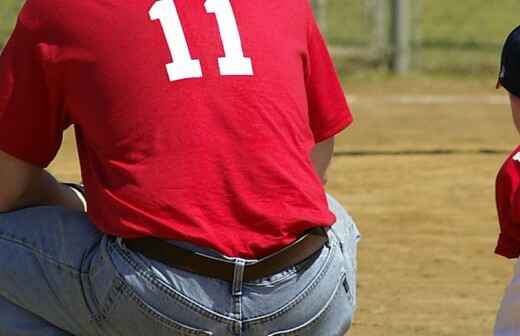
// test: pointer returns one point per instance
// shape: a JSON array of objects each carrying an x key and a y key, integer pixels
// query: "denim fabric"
[
  {"x": 507, "y": 322},
  {"x": 60, "y": 276}
]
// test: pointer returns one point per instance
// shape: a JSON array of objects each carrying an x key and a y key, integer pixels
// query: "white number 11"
[{"x": 183, "y": 65}]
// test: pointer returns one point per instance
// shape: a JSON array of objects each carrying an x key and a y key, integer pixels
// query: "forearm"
[
  {"x": 321, "y": 157},
  {"x": 44, "y": 189}
]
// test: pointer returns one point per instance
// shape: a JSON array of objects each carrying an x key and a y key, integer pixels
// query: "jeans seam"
[
  {"x": 305, "y": 293},
  {"x": 318, "y": 317},
  {"x": 169, "y": 323},
  {"x": 110, "y": 302},
  {"x": 89, "y": 271},
  {"x": 340, "y": 242},
  {"x": 168, "y": 291},
  {"x": 347, "y": 289},
  {"x": 39, "y": 252},
  {"x": 89, "y": 299}
]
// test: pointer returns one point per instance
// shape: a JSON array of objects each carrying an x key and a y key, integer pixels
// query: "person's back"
[
  {"x": 157, "y": 137},
  {"x": 195, "y": 122}
]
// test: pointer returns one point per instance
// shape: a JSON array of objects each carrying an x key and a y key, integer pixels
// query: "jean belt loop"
[{"x": 238, "y": 276}]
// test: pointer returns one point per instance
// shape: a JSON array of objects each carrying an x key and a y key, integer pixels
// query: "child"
[{"x": 508, "y": 193}]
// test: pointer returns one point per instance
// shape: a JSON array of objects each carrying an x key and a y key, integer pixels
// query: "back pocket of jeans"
[
  {"x": 130, "y": 315},
  {"x": 333, "y": 319}
]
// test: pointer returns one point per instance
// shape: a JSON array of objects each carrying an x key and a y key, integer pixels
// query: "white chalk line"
[{"x": 430, "y": 99}]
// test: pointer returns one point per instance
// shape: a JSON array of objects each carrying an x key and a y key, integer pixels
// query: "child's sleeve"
[{"x": 508, "y": 207}]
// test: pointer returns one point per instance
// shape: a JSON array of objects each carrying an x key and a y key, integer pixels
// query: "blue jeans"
[{"x": 60, "y": 276}]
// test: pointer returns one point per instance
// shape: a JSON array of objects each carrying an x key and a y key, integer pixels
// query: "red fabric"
[
  {"x": 220, "y": 161},
  {"x": 508, "y": 206}
]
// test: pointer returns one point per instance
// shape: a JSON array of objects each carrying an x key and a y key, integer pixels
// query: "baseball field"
[
  {"x": 416, "y": 170},
  {"x": 426, "y": 209}
]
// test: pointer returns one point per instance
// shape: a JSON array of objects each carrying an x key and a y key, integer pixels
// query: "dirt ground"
[
  {"x": 426, "y": 262},
  {"x": 428, "y": 221}
]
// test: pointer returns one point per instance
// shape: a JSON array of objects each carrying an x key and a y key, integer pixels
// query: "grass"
[
  {"x": 451, "y": 38},
  {"x": 8, "y": 12},
  {"x": 441, "y": 23},
  {"x": 438, "y": 23}
]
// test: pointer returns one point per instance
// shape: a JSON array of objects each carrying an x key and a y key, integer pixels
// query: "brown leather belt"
[{"x": 174, "y": 256}]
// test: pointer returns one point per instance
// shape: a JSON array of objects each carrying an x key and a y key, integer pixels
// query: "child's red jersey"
[{"x": 508, "y": 206}]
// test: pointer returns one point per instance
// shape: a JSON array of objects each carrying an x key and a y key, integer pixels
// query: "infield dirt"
[{"x": 426, "y": 262}]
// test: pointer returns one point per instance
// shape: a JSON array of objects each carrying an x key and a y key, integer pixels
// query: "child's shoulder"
[
  {"x": 509, "y": 173},
  {"x": 514, "y": 157}
]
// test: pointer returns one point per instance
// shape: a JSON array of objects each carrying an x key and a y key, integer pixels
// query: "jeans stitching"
[
  {"x": 209, "y": 314},
  {"x": 347, "y": 289},
  {"x": 89, "y": 299},
  {"x": 11, "y": 238},
  {"x": 88, "y": 271},
  {"x": 317, "y": 318},
  {"x": 110, "y": 302},
  {"x": 167, "y": 290},
  {"x": 305, "y": 293},
  {"x": 94, "y": 269},
  {"x": 340, "y": 241},
  {"x": 167, "y": 322}
]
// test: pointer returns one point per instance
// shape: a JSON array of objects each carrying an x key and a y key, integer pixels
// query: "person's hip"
[{"x": 132, "y": 294}]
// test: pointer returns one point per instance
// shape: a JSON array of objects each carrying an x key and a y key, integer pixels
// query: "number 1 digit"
[
  {"x": 234, "y": 62},
  {"x": 183, "y": 66}
]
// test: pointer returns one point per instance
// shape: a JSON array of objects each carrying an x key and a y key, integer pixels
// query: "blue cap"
[{"x": 509, "y": 76}]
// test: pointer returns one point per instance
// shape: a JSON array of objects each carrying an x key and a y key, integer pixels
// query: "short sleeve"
[
  {"x": 508, "y": 207},
  {"x": 328, "y": 109},
  {"x": 31, "y": 117}
]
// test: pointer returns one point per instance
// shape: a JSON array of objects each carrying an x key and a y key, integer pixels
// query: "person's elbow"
[
  {"x": 10, "y": 195},
  {"x": 321, "y": 156},
  {"x": 7, "y": 203}
]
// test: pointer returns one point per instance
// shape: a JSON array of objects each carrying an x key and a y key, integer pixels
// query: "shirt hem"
[{"x": 507, "y": 247}]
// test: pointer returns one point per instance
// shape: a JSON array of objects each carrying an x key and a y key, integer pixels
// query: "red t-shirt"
[
  {"x": 194, "y": 119},
  {"x": 508, "y": 206}
]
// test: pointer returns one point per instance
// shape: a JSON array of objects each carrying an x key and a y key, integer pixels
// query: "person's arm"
[
  {"x": 321, "y": 156},
  {"x": 32, "y": 117},
  {"x": 328, "y": 110},
  {"x": 25, "y": 185}
]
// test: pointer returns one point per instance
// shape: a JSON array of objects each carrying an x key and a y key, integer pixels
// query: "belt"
[{"x": 164, "y": 252}]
